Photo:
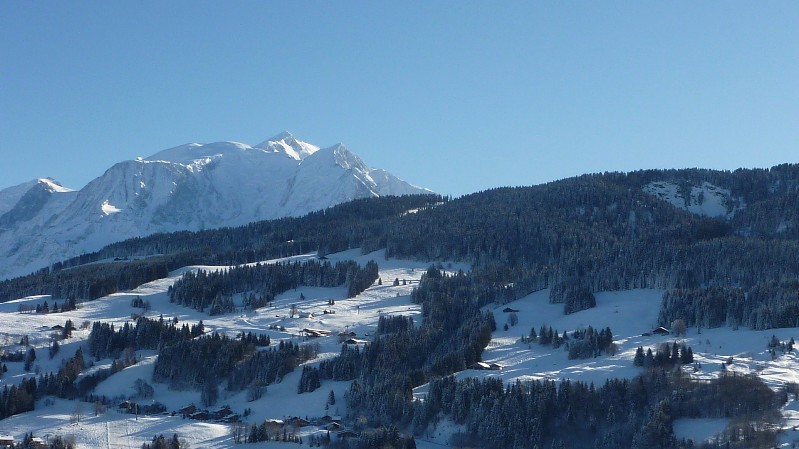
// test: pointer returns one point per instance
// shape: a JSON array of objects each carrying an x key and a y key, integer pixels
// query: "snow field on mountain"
[{"x": 707, "y": 200}]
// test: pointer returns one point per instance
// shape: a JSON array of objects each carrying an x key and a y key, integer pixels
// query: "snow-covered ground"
[
  {"x": 707, "y": 200},
  {"x": 629, "y": 314},
  {"x": 117, "y": 430}
]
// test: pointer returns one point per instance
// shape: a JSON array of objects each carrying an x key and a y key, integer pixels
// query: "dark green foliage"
[
  {"x": 160, "y": 442},
  {"x": 309, "y": 380},
  {"x": 765, "y": 305},
  {"x": 213, "y": 290},
  {"x": 590, "y": 343},
  {"x": 574, "y": 295},
  {"x": 620, "y": 413}
]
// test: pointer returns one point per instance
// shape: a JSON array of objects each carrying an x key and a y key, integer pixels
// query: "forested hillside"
[
  {"x": 579, "y": 236},
  {"x": 590, "y": 233}
]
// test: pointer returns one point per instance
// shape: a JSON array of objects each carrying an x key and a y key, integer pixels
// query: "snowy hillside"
[
  {"x": 189, "y": 187},
  {"x": 630, "y": 315},
  {"x": 707, "y": 199}
]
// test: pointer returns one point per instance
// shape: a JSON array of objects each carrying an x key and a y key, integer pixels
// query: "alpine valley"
[
  {"x": 190, "y": 187},
  {"x": 650, "y": 309}
]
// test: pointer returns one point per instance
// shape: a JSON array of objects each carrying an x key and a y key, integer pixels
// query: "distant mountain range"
[{"x": 189, "y": 187}]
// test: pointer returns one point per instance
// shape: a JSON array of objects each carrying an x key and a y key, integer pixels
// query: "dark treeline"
[
  {"x": 188, "y": 362},
  {"x": 91, "y": 281},
  {"x": 589, "y": 342},
  {"x": 105, "y": 341},
  {"x": 621, "y": 413},
  {"x": 574, "y": 294},
  {"x": 213, "y": 290},
  {"x": 665, "y": 356},
  {"x": 452, "y": 336},
  {"x": 382, "y": 438},
  {"x": 766, "y": 305},
  {"x": 161, "y": 442},
  {"x": 65, "y": 384}
]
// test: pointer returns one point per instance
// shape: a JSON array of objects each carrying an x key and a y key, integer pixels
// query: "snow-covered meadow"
[{"x": 629, "y": 314}]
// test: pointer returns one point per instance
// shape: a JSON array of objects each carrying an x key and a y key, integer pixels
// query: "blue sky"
[{"x": 456, "y": 96}]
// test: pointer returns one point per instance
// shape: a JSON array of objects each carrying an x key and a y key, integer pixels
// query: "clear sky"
[{"x": 456, "y": 96}]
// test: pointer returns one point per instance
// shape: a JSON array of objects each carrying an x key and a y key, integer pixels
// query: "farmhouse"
[
  {"x": 188, "y": 410},
  {"x": 315, "y": 332},
  {"x": 486, "y": 366}
]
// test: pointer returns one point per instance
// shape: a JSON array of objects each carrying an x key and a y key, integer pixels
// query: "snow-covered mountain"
[{"x": 189, "y": 187}]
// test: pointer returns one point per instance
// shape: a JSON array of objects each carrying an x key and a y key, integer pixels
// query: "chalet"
[
  {"x": 486, "y": 366},
  {"x": 202, "y": 415},
  {"x": 332, "y": 427},
  {"x": 221, "y": 412},
  {"x": 347, "y": 334},
  {"x": 354, "y": 341},
  {"x": 6, "y": 441},
  {"x": 305, "y": 314},
  {"x": 509, "y": 310},
  {"x": 661, "y": 331},
  {"x": 298, "y": 422},
  {"x": 125, "y": 406},
  {"x": 273, "y": 425},
  {"x": 37, "y": 443},
  {"x": 480, "y": 366},
  {"x": 315, "y": 332},
  {"x": 152, "y": 409},
  {"x": 234, "y": 418},
  {"x": 188, "y": 410},
  {"x": 57, "y": 327}
]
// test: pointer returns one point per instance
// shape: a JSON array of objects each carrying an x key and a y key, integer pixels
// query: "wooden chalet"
[
  {"x": 273, "y": 425},
  {"x": 221, "y": 412},
  {"x": 480, "y": 366},
  {"x": 202, "y": 415},
  {"x": 298, "y": 422},
  {"x": 6, "y": 441},
  {"x": 483, "y": 366},
  {"x": 315, "y": 332},
  {"x": 661, "y": 331},
  {"x": 188, "y": 410}
]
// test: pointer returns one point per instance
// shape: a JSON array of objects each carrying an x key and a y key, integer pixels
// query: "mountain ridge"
[{"x": 188, "y": 187}]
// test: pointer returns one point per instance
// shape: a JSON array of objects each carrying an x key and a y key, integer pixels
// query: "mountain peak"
[
  {"x": 289, "y": 145},
  {"x": 53, "y": 185},
  {"x": 285, "y": 135}
]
